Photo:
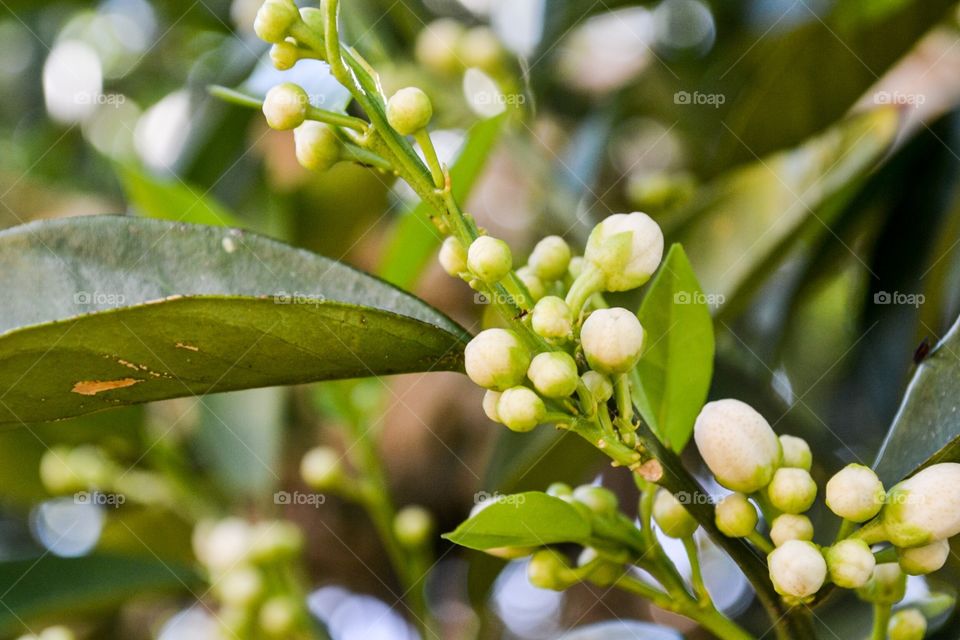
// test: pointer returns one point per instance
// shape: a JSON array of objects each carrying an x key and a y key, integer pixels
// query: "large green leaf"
[
  {"x": 677, "y": 364},
  {"x": 50, "y": 586},
  {"x": 530, "y": 519},
  {"x": 926, "y": 428},
  {"x": 105, "y": 311}
]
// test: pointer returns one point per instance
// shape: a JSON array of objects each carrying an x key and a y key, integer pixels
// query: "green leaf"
[
  {"x": 529, "y": 519},
  {"x": 414, "y": 238},
  {"x": 171, "y": 199},
  {"x": 926, "y": 429},
  {"x": 106, "y": 311},
  {"x": 38, "y": 589},
  {"x": 677, "y": 364}
]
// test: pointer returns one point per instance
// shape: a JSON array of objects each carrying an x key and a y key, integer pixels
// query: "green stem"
[
  {"x": 337, "y": 119},
  {"x": 365, "y": 157},
  {"x": 881, "y": 620},
  {"x": 234, "y": 97},
  {"x": 696, "y": 575},
  {"x": 846, "y": 528},
  {"x": 760, "y": 542},
  {"x": 430, "y": 153}
]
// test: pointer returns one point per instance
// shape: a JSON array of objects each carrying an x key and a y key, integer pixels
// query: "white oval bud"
[
  {"x": 409, "y": 111},
  {"x": 737, "y": 444},
  {"x": 736, "y": 517},
  {"x": 490, "y": 401},
  {"x": 322, "y": 469},
  {"x": 317, "y": 145},
  {"x": 600, "y": 500},
  {"x": 222, "y": 545},
  {"x": 907, "y": 624},
  {"x": 453, "y": 257},
  {"x": 285, "y": 106},
  {"x": 437, "y": 46},
  {"x": 413, "y": 526},
  {"x": 520, "y": 409},
  {"x": 627, "y": 248},
  {"x": 534, "y": 285},
  {"x": 496, "y": 359},
  {"x": 489, "y": 259},
  {"x": 240, "y": 587},
  {"x": 551, "y": 318},
  {"x": 789, "y": 526},
  {"x": 598, "y": 384},
  {"x": 855, "y": 493},
  {"x": 612, "y": 340},
  {"x": 918, "y": 561},
  {"x": 278, "y": 616},
  {"x": 284, "y": 55},
  {"x": 924, "y": 507},
  {"x": 274, "y": 20},
  {"x": 792, "y": 490},
  {"x": 559, "y": 490},
  {"x": 850, "y": 563},
  {"x": 796, "y": 452},
  {"x": 480, "y": 48},
  {"x": 887, "y": 585},
  {"x": 797, "y": 569},
  {"x": 550, "y": 258},
  {"x": 554, "y": 374},
  {"x": 672, "y": 517}
]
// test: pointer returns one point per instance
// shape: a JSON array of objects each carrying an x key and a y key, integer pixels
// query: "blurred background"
[{"x": 804, "y": 151}]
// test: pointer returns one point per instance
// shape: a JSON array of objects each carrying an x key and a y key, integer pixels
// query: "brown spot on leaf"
[
  {"x": 189, "y": 347},
  {"x": 93, "y": 387}
]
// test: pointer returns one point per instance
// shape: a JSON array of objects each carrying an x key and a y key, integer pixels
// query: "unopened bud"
[
  {"x": 520, "y": 409},
  {"x": 887, "y": 585},
  {"x": 438, "y": 44},
  {"x": 274, "y": 20},
  {"x": 612, "y": 340},
  {"x": 600, "y": 500},
  {"x": 413, "y": 526},
  {"x": 907, "y": 624},
  {"x": 409, "y": 111},
  {"x": 496, "y": 359},
  {"x": 850, "y": 563},
  {"x": 672, "y": 517},
  {"x": 598, "y": 384},
  {"x": 278, "y": 616},
  {"x": 855, "y": 493},
  {"x": 552, "y": 318},
  {"x": 549, "y": 570},
  {"x": 797, "y": 569},
  {"x": 489, "y": 259},
  {"x": 322, "y": 469},
  {"x": 534, "y": 285},
  {"x": 480, "y": 48},
  {"x": 317, "y": 145},
  {"x": 737, "y": 444},
  {"x": 792, "y": 490},
  {"x": 240, "y": 587},
  {"x": 626, "y": 248},
  {"x": 788, "y": 526},
  {"x": 550, "y": 258},
  {"x": 490, "y": 401},
  {"x": 925, "y": 507},
  {"x": 736, "y": 517},
  {"x": 284, "y": 55},
  {"x": 918, "y": 561},
  {"x": 554, "y": 374},
  {"x": 453, "y": 257},
  {"x": 285, "y": 106},
  {"x": 796, "y": 452}
]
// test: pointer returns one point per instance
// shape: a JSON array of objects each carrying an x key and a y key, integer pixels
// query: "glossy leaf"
[
  {"x": 677, "y": 363},
  {"x": 107, "y": 311},
  {"x": 522, "y": 520},
  {"x": 171, "y": 199}
]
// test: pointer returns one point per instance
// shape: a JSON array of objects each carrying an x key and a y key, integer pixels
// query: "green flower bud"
[
  {"x": 489, "y": 259},
  {"x": 453, "y": 257},
  {"x": 792, "y": 490},
  {"x": 598, "y": 384},
  {"x": 788, "y": 526},
  {"x": 612, "y": 340},
  {"x": 490, "y": 401},
  {"x": 600, "y": 500},
  {"x": 550, "y": 258},
  {"x": 322, "y": 469},
  {"x": 317, "y": 145},
  {"x": 314, "y": 18},
  {"x": 737, "y": 444},
  {"x": 278, "y": 616},
  {"x": 496, "y": 359},
  {"x": 925, "y": 507},
  {"x": 672, "y": 517},
  {"x": 887, "y": 585},
  {"x": 520, "y": 409},
  {"x": 850, "y": 563},
  {"x": 736, "y": 517},
  {"x": 603, "y": 572},
  {"x": 285, "y": 106},
  {"x": 855, "y": 493},
  {"x": 240, "y": 587},
  {"x": 576, "y": 266},
  {"x": 796, "y": 453},
  {"x": 907, "y": 624},
  {"x": 274, "y": 20},
  {"x": 549, "y": 570},
  {"x": 480, "y": 48},
  {"x": 552, "y": 319},
  {"x": 413, "y": 526},
  {"x": 275, "y": 540},
  {"x": 57, "y": 475},
  {"x": 626, "y": 248},
  {"x": 918, "y": 561},
  {"x": 437, "y": 46},
  {"x": 797, "y": 570},
  {"x": 554, "y": 374},
  {"x": 284, "y": 55},
  {"x": 534, "y": 285},
  {"x": 409, "y": 111},
  {"x": 559, "y": 489}
]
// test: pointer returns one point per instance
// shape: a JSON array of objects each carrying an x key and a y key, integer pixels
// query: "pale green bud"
[
  {"x": 887, "y": 585},
  {"x": 612, "y": 340},
  {"x": 480, "y": 48},
  {"x": 918, "y": 561},
  {"x": 554, "y": 374},
  {"x": 57, "y": 475},
  {"x": 736, "y": 517},
  {"x": 789, "y": 526},
  {"x": 409, "y": 111},
  {"x": 285, "y": 106},
  {"x": 626, "y": 248},
  {"x": 549, "y": 570},
  {"x": 550, "y": 258},
  {"x": 600, "y": 500},
  {"x": 317, "y": 145},
  {"x": 534, "y": 285},
  {"x": 489, "y": 259},
  {"x": 672, "y": 517},
  {"x": 796, "y": 452},
  {"x": 274, "y": 20},
  {"x": 437, "y": 46},
  {"x": 598, "y": 384},
  {"x": 551, "y": 318},
  {"x": 284, "y": 55},
  {"x": 490, "y": 401},
  {"x": 278, "y": 616},
  {"x": 275, "y": 540},
  {"x": 496, "y": 359},
  {"x": 453, "y": 257},
  {"x": 855, "y": 493},
  {"x": 792, "y": 490},
  {"x": 907, "y": 624},
  {"x": 737, "y": 444},
  {"x": 520, "y": 409},
  {"x": 925, "y": 507},
  {"x": 240, "y": 587},
  {"x": 413, "y": 526},
  {"x": 322, "y": 469},
  {"x": 58, "y": 632},
  {"x": 603, "y": 573},
  {"x": 222, "y": 545},
  {"x": 797, "y": 569},
  {"x": 850, "y": 563},
  {"x": 559, "y": 489}
]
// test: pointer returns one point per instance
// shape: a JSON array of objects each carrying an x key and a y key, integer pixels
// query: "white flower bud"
[
  {"x": 317, "y": 145},
  {"x": 222, "y": 545},
  {"x": 438, "y": 44},
  {"x": 924, "y": 507},
  {"x": 737, "y": 444},
  {"x": 850, "y": 563},
  {"x": 240, "y": 587},
  {"x": 285, "y": 106},
  {"x": 520, "y": 409},
  {"x": 792, "y": 490},
  {"x": 489, "y": 259},
  {"x": 549, "y": 570},
  {"x": 551, "y": 318},
  {"x": 322, "y": 469},
  {"x": 672, "y": 517},
  {"x": 855, "y": 493},
  {"x": 480, "y": 48},
  {"x": 612, "y": 340},
  {"x": 550, "y": 258},
  {"x": 409, "y": 111},
  {"x": 626, "y": 248},
  {"x": 284, "y": 55},
  {"x": 887, "y": 585},
  {"x": 598, "y": 384},
  {"x": 796, "y": 452},
  {"x": 496, "y": 359},
  {"x": 274, "y": 20},
  {"x": 907, "y": 624},
  {"x": 453, "y": 257},
  {"x": 797, "y": 569},
  {"x": 600, "y": 500},
  {"x": 918, "y": 561},
  {"x": 554, "y": 374},
  {"x": 736, "y": 517},
  {"x": 490, "y": 401},
  {"x": 413, "y": 526},
  {"x": 278, "y": 616},
  {"x": 789, "y": 526},
  {"x": 534, "y": 285},
  {"x": 559, "y": 490}
]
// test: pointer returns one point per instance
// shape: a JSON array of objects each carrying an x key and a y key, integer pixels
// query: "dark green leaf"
[
  {"x": 171, "y": 199},
  {"x": 106, "y": 311},
  {"x": 677, "y": 364}
]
